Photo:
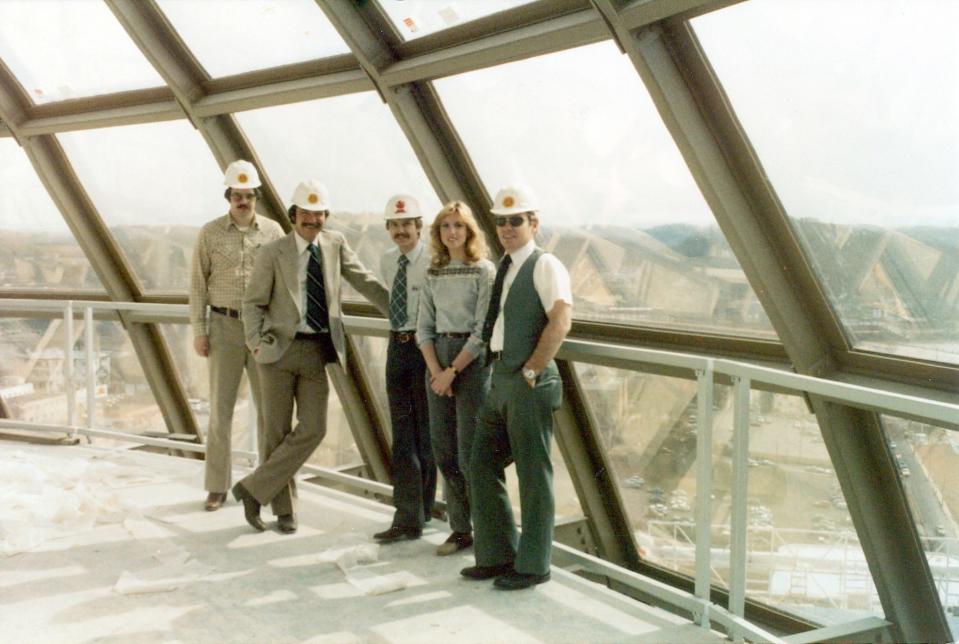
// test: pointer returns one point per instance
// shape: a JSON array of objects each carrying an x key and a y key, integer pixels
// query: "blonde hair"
[{"x": 475, "y": 245}]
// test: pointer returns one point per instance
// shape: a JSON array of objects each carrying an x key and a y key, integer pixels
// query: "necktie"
[
  {"x": 398, "y": 314},
  {"x": 317, "y": 317},
  {"x": 497, "y": 293}
]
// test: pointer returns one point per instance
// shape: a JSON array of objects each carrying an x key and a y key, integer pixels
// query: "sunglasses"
[{"x": 515, "y": 221}]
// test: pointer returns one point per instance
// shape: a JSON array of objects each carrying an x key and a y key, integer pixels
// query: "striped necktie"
[
  {"x": 398, "y": 314},
  {"x": 317, "y": 316}
]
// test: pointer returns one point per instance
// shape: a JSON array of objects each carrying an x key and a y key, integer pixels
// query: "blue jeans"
[
  {"x": 452, "y": 423},
  {"x": 414, "y": 471}
]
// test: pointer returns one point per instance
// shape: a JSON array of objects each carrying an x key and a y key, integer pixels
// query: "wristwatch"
[{"x": 529, "y": 374}]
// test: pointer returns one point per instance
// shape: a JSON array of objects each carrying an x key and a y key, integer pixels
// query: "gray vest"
[{"x": 523, "y": 315}]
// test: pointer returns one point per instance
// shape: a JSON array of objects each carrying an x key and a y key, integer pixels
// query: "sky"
[{"x": 851, "y": 106}]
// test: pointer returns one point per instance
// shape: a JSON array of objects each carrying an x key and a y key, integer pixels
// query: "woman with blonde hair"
[{"x": 449, "y": 331}]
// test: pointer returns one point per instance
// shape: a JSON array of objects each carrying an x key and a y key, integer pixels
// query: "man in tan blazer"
[{"x": 294, "y": 327}]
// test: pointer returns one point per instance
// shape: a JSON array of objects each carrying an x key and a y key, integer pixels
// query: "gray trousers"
[
  {"x": 516, "y": 424},
  {"x": 227, "y": 360},
  {"x": 452, "y": 424},
  {"x": 299, "y": 376}
]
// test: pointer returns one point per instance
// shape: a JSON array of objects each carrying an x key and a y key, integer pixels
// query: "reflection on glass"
[
  {"x": 619, "y": 206},
  {"x": 62, "y": 49},
  {"x": 230, "y": 37},
  {"x": 155, "y": 186},
  {"x": 417, "y": 18},
  {"x": 32, "y": 375},
  {"x": 37, "y": 250},
  {"x": 927, "y": 458},
  {"x": 861, "y": 143},
  {"x": 354, "y": 146},
  {"x": 803, "y": 553}
]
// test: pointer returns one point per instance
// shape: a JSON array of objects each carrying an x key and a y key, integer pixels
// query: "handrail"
[{"x": 742, "y": 374}]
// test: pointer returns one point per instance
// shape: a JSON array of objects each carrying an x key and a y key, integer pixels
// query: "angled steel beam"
[
  {"x": 149, "y": 28},
  {"x": 57, "y": 175},
  {"x": 697, "y": 114},
  {"x": 414, "y": 105}
]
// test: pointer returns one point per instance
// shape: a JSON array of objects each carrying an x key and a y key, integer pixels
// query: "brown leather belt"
[
  {"x": 454, "y": 335},
  {"x": 403, "y": 336}
]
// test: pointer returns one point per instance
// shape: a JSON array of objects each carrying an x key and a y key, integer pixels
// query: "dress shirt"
[
  {"x": 415, "y": 277},
  {"x": 454, "y": 300},
  {"x": 223, "y": 262},
  {"x": 550, "y": 279},
  {"x": 302, "y": 263}
]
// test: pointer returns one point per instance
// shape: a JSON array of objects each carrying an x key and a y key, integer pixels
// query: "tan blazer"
[{"x": 271, "y": 304}]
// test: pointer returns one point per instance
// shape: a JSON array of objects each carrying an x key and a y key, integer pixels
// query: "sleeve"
[
  {"x": 256, "y": 299},
  {"x": 426, "y": 317},
  {"x": 199, "y": 275},
  {"x": 551, "y": 280},
  {"x": 475, "y": 343},
  {"x": 362, "y": 279}
]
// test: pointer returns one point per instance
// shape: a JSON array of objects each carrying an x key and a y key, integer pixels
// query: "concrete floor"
[{"x": 103, "y": 545}]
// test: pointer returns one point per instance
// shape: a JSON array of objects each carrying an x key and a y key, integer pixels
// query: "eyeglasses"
[
  {"x": 240, "y": 196},
  {"x": 514, "y": 220}
]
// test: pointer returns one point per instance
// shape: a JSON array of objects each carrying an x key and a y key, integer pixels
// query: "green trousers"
[{"x": 516, "y": 425}]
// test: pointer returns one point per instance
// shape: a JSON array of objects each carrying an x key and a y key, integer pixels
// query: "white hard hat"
[
  {"x": 241, "y": 174},
  {"x": 311, "y": 195},
  {"x": 402, "y": 207},
  {"x": 514, "y": 200}
]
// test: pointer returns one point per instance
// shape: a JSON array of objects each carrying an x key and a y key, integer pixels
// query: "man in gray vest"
[{"x": 530, "y": 313}]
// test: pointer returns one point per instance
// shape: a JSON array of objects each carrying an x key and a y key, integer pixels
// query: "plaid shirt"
[{"x": 222, "y": 264}]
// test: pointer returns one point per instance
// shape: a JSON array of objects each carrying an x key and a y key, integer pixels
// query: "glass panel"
[
  {"x": 154, "y": 185},
  {"x": 337, "y": 448},
  {"x": 803, "y": 553},
  {"x": 417, "y": 18},
  {"x": 37, "y": 249},
  {"x": 55, "y": 60},
  {"x": 928, "y": 462},
  {"x": 231, "y": 37},
  {"x": 32, "y": 376},
  {"x": 862, "y": 144},
  {"x": 354, "y": 146},
  {"x": 619, "y": 206}
]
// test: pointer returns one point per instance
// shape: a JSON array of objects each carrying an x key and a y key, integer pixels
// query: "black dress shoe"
[
  {"x": 487, "y": 572},
  {"x": 214, "y": 501},
  {"x": 251, "y": 507},
  {"x": 396, "y": 533},
  {"x": 518, "y": 580},
  {"x": 286, "y": 523}
]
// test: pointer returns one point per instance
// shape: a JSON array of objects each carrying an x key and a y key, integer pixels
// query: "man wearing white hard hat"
[
  {"x": 403, "y": 268},
  {"x": 529, "y": 315},
  {"x": 294, "y": 327},
  {"x": 222, "y": 265}
]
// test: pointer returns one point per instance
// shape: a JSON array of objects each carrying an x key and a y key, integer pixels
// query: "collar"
[
  {"x": 301, "y": 244},
  {"x": 520, "y": 256},
  {"x": 231, "y": 222},
  {"x": 415, "y": 254}
]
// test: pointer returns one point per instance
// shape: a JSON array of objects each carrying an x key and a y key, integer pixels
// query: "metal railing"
[{"x": 742, "y": 376}]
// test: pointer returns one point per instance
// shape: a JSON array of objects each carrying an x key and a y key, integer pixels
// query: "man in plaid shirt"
[{"x": 222, "y": 265}]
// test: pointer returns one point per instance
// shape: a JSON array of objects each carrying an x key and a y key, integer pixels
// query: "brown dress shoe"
[
  {"x": 286, "y": 523},
  {"x": 251, "y": 507},
  {"x": 214, "y": 501},
  {"x": 454, "y": 543}
]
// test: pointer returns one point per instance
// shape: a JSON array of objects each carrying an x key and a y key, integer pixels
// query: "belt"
[
  {"x": 403, "y": 336},
  {"x": 495, "y": 355},
  {"x": 310, "y": 336},
  {"x": 454, "y": 335},
  {"x": 230, "y": 313}
]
